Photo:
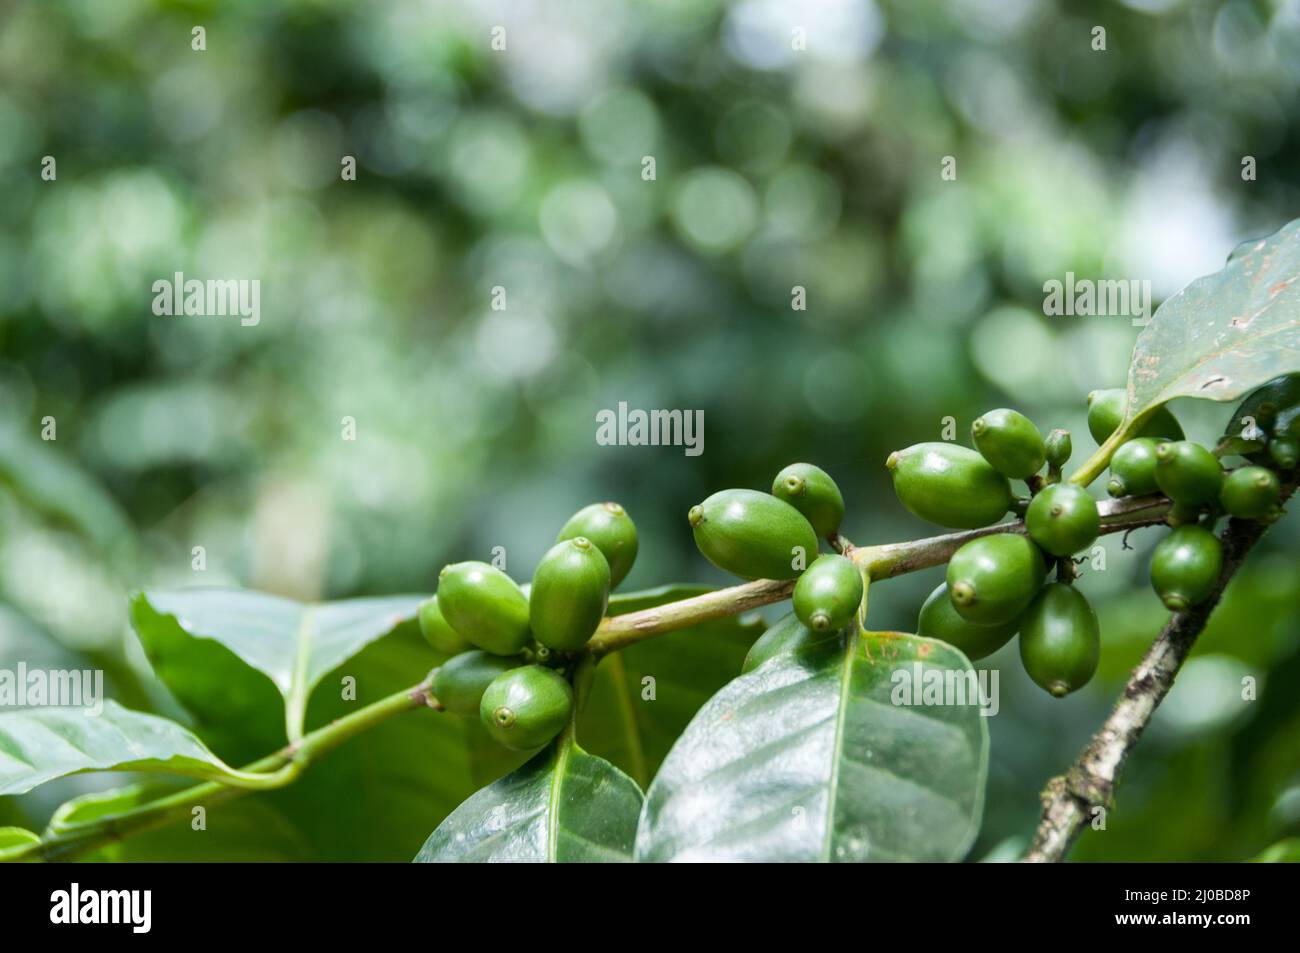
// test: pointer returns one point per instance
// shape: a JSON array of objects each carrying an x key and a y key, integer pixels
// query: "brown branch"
[
  {"x": 881, "y": 562},
  {"x": 895, "y": 559},
  {"x": 1072, "y": 800}
]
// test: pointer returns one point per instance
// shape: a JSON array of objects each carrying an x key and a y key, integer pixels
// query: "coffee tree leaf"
[{"x": 816, "y": 756}]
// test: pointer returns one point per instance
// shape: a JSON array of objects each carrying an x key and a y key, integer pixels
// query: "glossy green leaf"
[
  {"x": 563, "y": 806},
  {"x": 632, "y": 721},
  {"x": 200, "y": 641},
  {"x": 40, "y": 744},
  {"x": 17, "y": 843},
  {"x": 809, "y": 758},
  {"x": 1224, "y": 334}
]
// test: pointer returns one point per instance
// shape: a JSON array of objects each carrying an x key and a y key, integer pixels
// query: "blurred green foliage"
[{"x": 522, "y": 169}]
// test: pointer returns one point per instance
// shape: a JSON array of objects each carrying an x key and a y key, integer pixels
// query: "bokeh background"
[{"x": 522, "y": 169}]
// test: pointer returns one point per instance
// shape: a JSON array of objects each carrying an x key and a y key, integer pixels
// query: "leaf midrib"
[{"x": 837, "y": 748}]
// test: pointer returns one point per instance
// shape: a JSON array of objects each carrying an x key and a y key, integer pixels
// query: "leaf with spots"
[
  {"x": 1224, "y": 334},
  {"x": 839, "y": 750}
]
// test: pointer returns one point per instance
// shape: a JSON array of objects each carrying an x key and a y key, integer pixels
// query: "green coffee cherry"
[
  {"x": 459, "y": 684},
  {"x": 1250, "y": 493},
  {"x": 1010, "y": 442},
  {"x": 569, "y": 595},
  {"x": 949, "y": 485},
  {"x": 484, "y": 606},
  {"x": 1063, "y": 519},
  {"x": 1060, "y": 641},
  {"x": 812, "y": 492},
  {"x": 437, "y": 630},
  {"x": 1185, "y": 567},
  {"x": 526, "y": 707},
  {"x": 787, "y": 634},
  {"x": 1188, "y": 473},
  {"x": 1106, "y": 411},
  {"x": 992, "y": 579},
  {"x": 939, "y": 620},
  {"x": 1133, "y": 468},
  {"x": 827, "y": 596},
  {"x": 1284, "y": 451},
  {"x": 753, "y": 535},
  {"x": 1058, "y": 448},
  {"x": 611, "y": 529}
]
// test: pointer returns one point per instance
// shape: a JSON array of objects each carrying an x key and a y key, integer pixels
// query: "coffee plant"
[{"x": 780, "y": 743}]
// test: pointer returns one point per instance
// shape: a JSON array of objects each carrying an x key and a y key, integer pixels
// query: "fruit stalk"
[
  {"x": 1071, "y": 800},
  {"x": 880, "y": 562},
  {"x": 896, "y": 559}
]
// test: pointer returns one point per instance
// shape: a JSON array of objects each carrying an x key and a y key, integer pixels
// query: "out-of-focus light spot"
[
  {"x": 993, "y": 18},
  {"x": 802, "y": 202},
  {"x": 619, "y": 126},
  {"x": 559, "y": 53},
  {"x": 17, "y": 132},
  {"x": 488, "y": 162},
  {"x": 753, "y": 135},
  {"x": 40, "y": 570},
  {"x": 1015, "y": 351},
  {"x": 1152, "y": 6},
  {"x": 835, "y": 98},
  {"x": 307, "y": 147},
  {"x": 1175, "y": 228},
  {"x": 1206, "y": 696},
  {"x": 992, "y": 95},
  {"x": 153, "y": 425},
  {"x": 515, "y": 344},
  {"x": 187, "y": 103},
  {"x": 1241, "y": 40},
  {"x": 837, "y": 386},
  {"x": 714, "y": 210},
  {"x": 1285, "y": 813},
  {"x": 764, "y": 33},
  {"x": 578, "y": 220}
]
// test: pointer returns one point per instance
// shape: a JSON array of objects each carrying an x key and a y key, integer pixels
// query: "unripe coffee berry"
[
  {"x": 1133, "y": 468},
  {"x": 569, "y": 594},
  {"x": 1063, "y": 519},
  {"x": 753, "y": 535},
  {"x": 1010, "y": 442},
  {"x": 526, "y": 707},
  {"x": 992, "y": 579},
  {"x": 949, "y": 485},
  {"x": 1250, "y": 493},
  {"x": 484, "y": 606},
  {"x": 609, "y": 527},
  {"x": 1185, "y": 567},
  {"x": 939, "y": 619},
  {"x": 1106, "y": 411},
  {"x": 812, "y": 492},
  {"x": 827, "y": 596},
  {"x": 1188, "y": 473},
  {"x": 1060, "y": 640}
]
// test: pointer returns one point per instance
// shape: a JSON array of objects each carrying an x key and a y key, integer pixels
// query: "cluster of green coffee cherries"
[
  {"x": 995, "y": 584},
  {"x": 512, "y": 650}
]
